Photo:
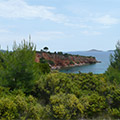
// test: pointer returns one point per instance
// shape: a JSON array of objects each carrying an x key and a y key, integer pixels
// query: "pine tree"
[
  {"x": 115, "y": 58},
  {"x": 18, "y": 70},
  {"x": 113, "y": 71}
]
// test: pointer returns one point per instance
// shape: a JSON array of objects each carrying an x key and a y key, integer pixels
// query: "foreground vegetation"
[{"x": 29, "y": 90}]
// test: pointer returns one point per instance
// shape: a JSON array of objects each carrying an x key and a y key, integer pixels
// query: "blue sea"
[{"x": 97, "y": 68}]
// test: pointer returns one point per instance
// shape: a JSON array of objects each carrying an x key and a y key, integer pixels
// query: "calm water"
[{"x": 97, "y": 68}]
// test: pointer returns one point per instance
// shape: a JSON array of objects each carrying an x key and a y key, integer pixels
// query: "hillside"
[
  {"x": 59, "y": 60},
  {"x": 95, "y": 50}
]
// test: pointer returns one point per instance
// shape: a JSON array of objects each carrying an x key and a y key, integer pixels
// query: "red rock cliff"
[{"x": 64, "y": 60}]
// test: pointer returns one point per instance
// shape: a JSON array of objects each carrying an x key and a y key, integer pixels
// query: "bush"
[
  {"x": 51, "y": 62},
  {"x": 77, "y": 84},
  {"x": 60, "y": 53},
  {"x": 42, "y": 60},
  {"x": 115, "y": 113},
  {"x": 71, "y": 63},
  {"x": 66, "y": 106},
  {"x": 94, "y": 104},
  {"x": 8, "y": 109},
  {"x": 44, "y": 68},
  {"x": 21, "y": 107}
]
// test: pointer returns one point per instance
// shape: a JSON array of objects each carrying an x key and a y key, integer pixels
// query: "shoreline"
[
  {"x": 58, "y": 61},
  {"x": 75, "y": 65}
]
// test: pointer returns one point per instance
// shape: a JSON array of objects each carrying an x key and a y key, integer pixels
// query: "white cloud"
[
  {"x": 91, "y": 32},
  {"x": 106, "y": 20},
  {"x": 20, "y": 9}
]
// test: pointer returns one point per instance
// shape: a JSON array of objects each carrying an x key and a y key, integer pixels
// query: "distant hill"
[{"x": 94, "y": 50}]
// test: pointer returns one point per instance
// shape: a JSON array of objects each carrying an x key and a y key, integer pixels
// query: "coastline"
[
  {"x": 57, "y": 61},
  {"x": 75, "y": 65}
]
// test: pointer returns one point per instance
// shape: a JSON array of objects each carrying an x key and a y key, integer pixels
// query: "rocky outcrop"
[{"x": 58, "y": 60}]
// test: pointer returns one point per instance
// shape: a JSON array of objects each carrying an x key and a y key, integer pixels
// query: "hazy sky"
[{"x": 62, "y": 25}]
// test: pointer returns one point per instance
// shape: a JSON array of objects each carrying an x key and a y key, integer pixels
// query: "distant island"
[
  {"x": 89, "y": 51},
  {"x": 59, "y": 60},
  {"x": 94, "y": 50}
]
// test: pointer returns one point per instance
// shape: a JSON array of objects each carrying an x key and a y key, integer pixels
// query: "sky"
[{"x": 61, "y": 25}]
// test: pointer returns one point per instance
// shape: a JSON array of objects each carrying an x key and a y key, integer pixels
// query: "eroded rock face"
[{"x": 56, "y": 61}]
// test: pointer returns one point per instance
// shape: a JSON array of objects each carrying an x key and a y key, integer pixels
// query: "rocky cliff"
[{"x": 58, "y": 60}]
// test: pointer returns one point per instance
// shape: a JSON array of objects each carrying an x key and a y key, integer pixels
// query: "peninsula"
[{"x": 59, "y": 60}]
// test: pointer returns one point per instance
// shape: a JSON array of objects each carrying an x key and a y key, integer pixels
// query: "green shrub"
[
  {"x": 94, "y": 104},
  {"x": 115, "y": 113},
  {"x": 51, "y": 62},
  {"x": 4, "y": 91},
  {"x": 21, "y": 107},
  {"x": 65, "y": 106},
  {"x": 60, "y": 53},
  {"x": 71, "y": 63},
  {"x": 43, "y": 60},
  {"x": 44, "y": 68},
  {"x": 8, "y": 109},
  {"x": 77, "y": 84}
]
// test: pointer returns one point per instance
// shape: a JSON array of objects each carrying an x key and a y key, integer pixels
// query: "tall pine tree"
[
  {"x": 18, "y": 68},
  {"x": 113, "y": 71}
]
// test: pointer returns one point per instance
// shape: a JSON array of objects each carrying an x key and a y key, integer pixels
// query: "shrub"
[
  {"x": 71, "y": 63},
  {"x": 65, "y": 106},
  {"x": 8, "y": 109},
  {"x": 51, "y": 62},
  {"x": 44, "y": 68},
  {"x": 21, "y": 107},
  {"x": 94, "y": 104},
  {"x": 60, "y": 53},
  {"x": 115, "y": 113},
  {"x": 42, "y": 60}
]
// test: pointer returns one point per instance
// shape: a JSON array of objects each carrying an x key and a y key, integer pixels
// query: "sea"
[{"x": 98, "y": 68}]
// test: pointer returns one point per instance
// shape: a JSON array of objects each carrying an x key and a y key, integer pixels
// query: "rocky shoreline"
[
  {"x": 75, "y": 65},
  {"x": 60, "y": 60},
  {"x": 59, "y": 67}
]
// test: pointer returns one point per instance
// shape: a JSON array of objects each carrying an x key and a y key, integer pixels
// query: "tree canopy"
[
  {"x": 45, "y": 48},
  {"x": 113, "y": 72},
  {"x": 18, "y": 68}
]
